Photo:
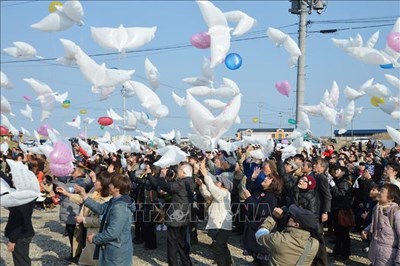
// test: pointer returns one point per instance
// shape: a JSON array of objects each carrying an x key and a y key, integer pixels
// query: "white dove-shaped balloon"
[
  {"x": 205, "y": 122},
  {"x": 344, "y": 118},
  {"x": 86, "y": 147},
  {"x": 121, "y": 38},
  {"x": 218, "y": 30},
  {"x": 53, "y": 22},
  {"x": 149, "y": 135},
  {"x": 88, "y": 120},
  {"x": 152, "y": 74},
  {"x": 116, "y": 117},
  {"x": 103, "y": 79},
  {"x": 214, "y": 103},
  {"x": 394, "y": 134},
  {"x": 152, "y": 123},
  {"x": 378, "y": 90},
  {"x": 169, "y": 136},
  {"x": 331, "y": 98},
  {"x": 45, "y": 95},
  {"x": 280, "y": 38},
  {"x": 106, "y": 137},
  {"x": 76, "y": 123},
  {"x": 244, "y": 22},
  {"x": 171, "y": 157},
  {"x": 70, "y": 51},
  {"x": 74, "y": 10},
  {"x": 352, "y": 94},
  {"x": 207, "y": 78},
  {"x": 26, "y": 185},
  {"x": 5, "y": 106},
  {"x": 204, "y": 143},
  {"x": 180, "y": 101},
  {"x": 149, "y": 100},
  {"x": 394, "y": 81},
  {"x": 229, "y": 146},
  {"x": 22, "y": 50},
  {"x": 27, "y": 112},
  {"x": 5, "y": 82}
]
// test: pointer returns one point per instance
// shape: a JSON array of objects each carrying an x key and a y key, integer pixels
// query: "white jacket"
[{"x": 219, "y": 211}]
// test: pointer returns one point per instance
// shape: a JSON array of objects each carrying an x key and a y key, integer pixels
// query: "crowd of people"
[{"x": 282, "y": 206}]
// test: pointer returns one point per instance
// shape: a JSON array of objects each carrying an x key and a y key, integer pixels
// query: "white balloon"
[
  {"x": 344, "y": 118},
  {"x": 229, "y": 146},
  {"x": 180, "y": 101},
  {"x": 220, "y": 43},
  {"x": 314, "y": 110},
  {"x": 46, "y": 96},
  {"x": 5, "y": 106},
  {"x": 204, "y": 121},
  {"x": 329, "y": 114},
  {"x": 231, "y": 84},
  {"x": 70, "y": 51},
  {"x": 368, "y": 55},
  {"x": 394, "y": 134},
  {"x": 158, "y": 110},
  {"x": 393, "y": 81},
  {"x": 171, "y": 157},
  {"x": 100, "y": 76},
  {"x": 372, "y": 40},
  {"x": 107, "y": 147},
  {"x": 106, "y": 137},
  {"x": 212, "y": 15},
  {"x": 74, "y": 11},
  {"x": 152, "y": 123},
  {"x": 152, "y": 74},
  {"x": 178, "y": 136},
  {"x": 198, "y": 81},
  {"x": 131, "y": 120},
  {"x": 76, "y": 123},
  {"x": 142, "y": 139},
  {"x": 352, "y": 94},
  {"x": 5, "y": 82},
  {"x": 280, "y": 38},
  {"x": 53, "y": 22},
  {"x": 121, "y": 38},
  {"x": 4, "y": 148},
  {"x": 378, "y": 90},
  {"x": 27, "y": 112},
  {"x": 127, "y": 89},
  {"x": 159, "y": 142},
  {"x": 116, "y": 117},
  {"x": 201, "y": 91},
  {"x": 225, "y": 92},
  {"x": 25, "y": 182},
  {"x": 244, "y": 22},
  {"x": 169, "y": 136},
  {"x": 21, "y": 50},
  {"x": 214, "y": 103},
  {"x": 303, "y": 121},
  {"x": 202, "y": 142},
  {"x": 148, "y": 135}
]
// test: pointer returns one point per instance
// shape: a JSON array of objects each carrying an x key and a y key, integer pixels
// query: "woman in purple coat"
[{"x": 384, "y": 231}]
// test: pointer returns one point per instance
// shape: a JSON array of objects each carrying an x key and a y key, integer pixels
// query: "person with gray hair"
[{"x": 178, "y": 214}]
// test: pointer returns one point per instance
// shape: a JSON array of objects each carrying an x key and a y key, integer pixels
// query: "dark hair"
[
  {"x": 48, "y": 178},
  {"x": 393, "y": 192},
  {"x": 121, "y": 182},
  {"x": 395, "y": 166},
  {"x": 104, "y": 178}
]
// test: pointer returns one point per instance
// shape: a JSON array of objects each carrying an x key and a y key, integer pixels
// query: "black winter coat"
[{"x": 178, "y": 212}]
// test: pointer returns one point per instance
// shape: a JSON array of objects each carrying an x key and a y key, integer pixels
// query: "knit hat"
[
  {"x": 311, "y": 183},
  {"x": 225, "y": 181}
]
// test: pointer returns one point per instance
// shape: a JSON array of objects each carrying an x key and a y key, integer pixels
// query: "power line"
[{"x": 183, "y": 46}]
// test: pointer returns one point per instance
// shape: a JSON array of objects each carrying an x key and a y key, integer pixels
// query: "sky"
[{"x": 263, "y": 63}]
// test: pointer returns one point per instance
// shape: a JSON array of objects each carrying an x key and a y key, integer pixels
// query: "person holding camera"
[{"x": 219, "y": 223}]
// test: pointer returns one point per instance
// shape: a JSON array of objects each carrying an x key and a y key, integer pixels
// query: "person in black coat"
[
  {"x": 178, "y": 214},
  {"x": 19, "y": 231},
  {"x": 341, "y": 200},
  {"x": 259, "y": 207}
]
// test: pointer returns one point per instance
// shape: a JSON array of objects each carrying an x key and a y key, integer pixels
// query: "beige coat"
[{"x": 92, "y": 223}]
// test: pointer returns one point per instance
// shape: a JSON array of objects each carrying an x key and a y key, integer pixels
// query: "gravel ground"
[{"x": 49, "y": 245}]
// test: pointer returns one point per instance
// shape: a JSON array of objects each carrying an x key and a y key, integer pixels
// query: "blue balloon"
[
  {"x": 233, "y": 61},
  {"x": 387, "y": 66}
]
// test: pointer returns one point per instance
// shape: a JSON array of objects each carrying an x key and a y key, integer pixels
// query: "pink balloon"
[
  {"x": 393, "y": 41},
  {"x": 57, "y": 169},
  {"x": 42, "y": 130},
  {"x": 28, "y": 98},
  {"x": 61, "y": 153},
  {"x": 201, "y": 40},
  {"x": 283, "y": 87},
  {"x": 82, "y": 135}
]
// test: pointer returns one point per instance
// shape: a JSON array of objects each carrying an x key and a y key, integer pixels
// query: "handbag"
[{"x": 346, "y": 218}]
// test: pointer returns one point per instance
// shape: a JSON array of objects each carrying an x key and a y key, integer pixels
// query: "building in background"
[{"x": 264, "y": 133}]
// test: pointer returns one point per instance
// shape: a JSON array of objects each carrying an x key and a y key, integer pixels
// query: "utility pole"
[{"x": 303, "y": 8}]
